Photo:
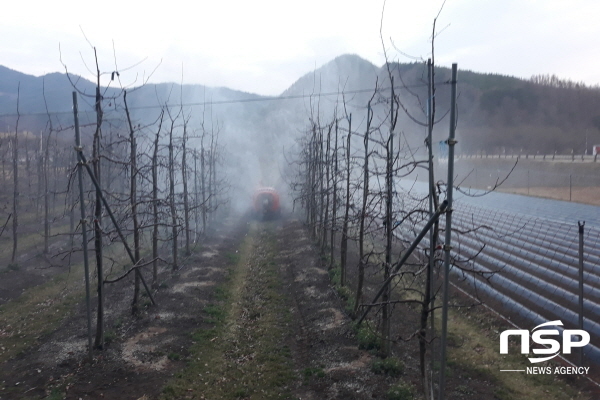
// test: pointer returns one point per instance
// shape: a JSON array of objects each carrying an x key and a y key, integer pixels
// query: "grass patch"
[
  {"x": 221, "y": 294},
  {"x": 367, "y": 337},
  {"x": 118, "y": 324},
  {"x": 38, "y": 311},
  {"x": 335, "y": 275},
  {"x": 233, "y": 258},
  {"x": 464, "y": 390},
  {"x": 310, "y": 372},
  {"x": 30, "y": 240},
  {"x": 475, "y": 355},
  {"x": 241, "y": 394},
  {"x": 344, "y": 292},
  {"x": 56, "y": 394},
  {"x": 109, "y": 337},
  {"x": 401, "y": 391},
  {"x": 389, "y": 366},
  {"x": 14, "y": 267},
  {"x": 204, "y": 335},
  {"x": 216, "y": 313}
]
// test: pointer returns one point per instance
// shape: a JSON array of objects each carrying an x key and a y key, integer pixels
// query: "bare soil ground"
[
  {"x": 251, "y": 315},
  {"x": 324, "y": 340},
  {"x": 142, "y": 351},
  {"x": 585, "y": 195}
]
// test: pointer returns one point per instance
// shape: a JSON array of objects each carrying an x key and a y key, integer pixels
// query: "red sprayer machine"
[{"x": 266, "y": 203}]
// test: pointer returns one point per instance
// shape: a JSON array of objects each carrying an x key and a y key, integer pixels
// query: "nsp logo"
[{"x": 540, "y": 337}]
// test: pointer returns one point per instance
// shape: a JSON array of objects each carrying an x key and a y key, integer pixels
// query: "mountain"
[
  {"x": 346, "y": 72},
  {"x": 31, "y": 90},
  {"x": 496, "y": 113}
]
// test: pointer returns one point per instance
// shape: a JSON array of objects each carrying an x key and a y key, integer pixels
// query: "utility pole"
[
  {"x": 447, "y": 241},
  {"x": 83, "y": 222},
  {"x": 581, "y": 270}
]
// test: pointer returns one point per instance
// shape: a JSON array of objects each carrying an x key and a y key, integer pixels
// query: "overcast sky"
[{"x": 263, "y": 46}]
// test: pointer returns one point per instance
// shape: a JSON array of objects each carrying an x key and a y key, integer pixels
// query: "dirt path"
[
  {"x": 243, "y": 355},
  {"x": 283, "y": 333}
]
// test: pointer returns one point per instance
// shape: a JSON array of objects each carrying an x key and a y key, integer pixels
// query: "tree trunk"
[
  {"x": 334, "y": 198},
  {"x": 99, "y": 342},
  {"x": 72, "y": 203},
  {"x": 385, "y": 314},
  {"x": 313, "y": 167},
  {"x": 428, "y": 300},
  {"x": 155, "y": 205},
  {"x": 213, "y": 177},
  {"x": 186, "y": 207},
  {"x": 203, "y": 185},
  {"x": 326, "y": 223},
  {"x": 133, "y": 202},
  {"x": 172, "y": 199},
  {"x": 209, "y": 187},
  {"x": 45, "y": 168},
  {"x": 28, "y": 164},
  {"x": 363, "y": 212},
  {"x": 214, "y": 183},
  {"x": 39, "y": 155},
  {"x": 196, "y": 197},
  {"x": 344, "y": 243},
  {"x": 321, "y": 188},
  {"x": 15, "y": 215}
]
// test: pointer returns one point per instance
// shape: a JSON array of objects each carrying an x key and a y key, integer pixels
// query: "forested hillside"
[{"x": 497, "y": 113}]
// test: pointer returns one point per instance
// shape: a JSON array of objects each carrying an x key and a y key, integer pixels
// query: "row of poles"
[{"x": 447, "y": 242}]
